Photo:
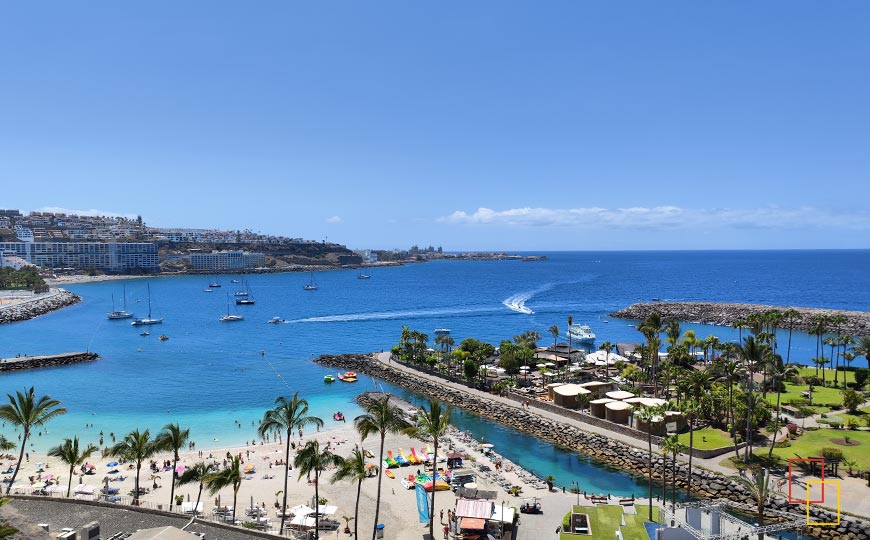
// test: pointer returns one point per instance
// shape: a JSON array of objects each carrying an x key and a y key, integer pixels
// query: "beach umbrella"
[
  {"x": 487, "y": 445},
  {"x": 179, "y": 469},
  {"x": 112, "y": 464},
  {"x": 89, "y": 466},
  {"x": 249, "y": 469},
  {"x": 48, "y": 476},
  {"x": 525, "y": 367}
]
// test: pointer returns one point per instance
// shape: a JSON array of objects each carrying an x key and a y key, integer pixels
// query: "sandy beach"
[{"x": 261, "y": 488}]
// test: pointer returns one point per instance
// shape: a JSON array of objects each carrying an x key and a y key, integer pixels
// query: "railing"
[{"x": 243, "y": 515}]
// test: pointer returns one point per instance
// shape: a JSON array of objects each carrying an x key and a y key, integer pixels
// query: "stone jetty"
[
  {"x": 857, "y": 322},
  {"x": 706, "y": 484},
  {"x": 53, "y": 360},
  {"x": 38, "y": 305}
]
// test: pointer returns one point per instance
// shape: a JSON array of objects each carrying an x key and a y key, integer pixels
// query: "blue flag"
[{"x": 422, "y": 503}]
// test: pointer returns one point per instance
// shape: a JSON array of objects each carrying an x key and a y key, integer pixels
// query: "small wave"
[
  {"x": 387, "y": 315},
  {"x": 517, "y": 302}
]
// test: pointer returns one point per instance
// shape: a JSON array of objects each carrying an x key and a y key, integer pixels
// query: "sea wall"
[
  {"x": 723, "y": 314},
  {"x": 28, "y": 309},
  {"x": 54, "y": 360},
  {"x": 609, "y": 451}
]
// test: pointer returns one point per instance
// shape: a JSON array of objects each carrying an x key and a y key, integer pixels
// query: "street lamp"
[{"x": 575, "y": 485}]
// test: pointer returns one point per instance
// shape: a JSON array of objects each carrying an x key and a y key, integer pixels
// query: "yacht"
[
  {"x": 123, "y": 313},
  {"x": 276, "y": 320},
  {"x": 581, "y": 334},
  {"x": 214, "y": 285},
  {"x": 147, "y": 320},
  {"x": 230, "y": 317},
  {"x": 311, "y": 285}
]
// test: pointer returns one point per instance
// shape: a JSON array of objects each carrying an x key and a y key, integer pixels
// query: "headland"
[{"x": 857, "y": 323}]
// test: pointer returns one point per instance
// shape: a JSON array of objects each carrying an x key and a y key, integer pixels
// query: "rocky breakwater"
[
  {"x": 857, "y": 322},
  {"x": 53, "y": 360},
  {"x": 603, "y": 449},
  {"x": 39, "y": 305}
]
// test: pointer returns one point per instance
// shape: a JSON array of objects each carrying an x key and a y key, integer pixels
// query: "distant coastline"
[{"x": 857, "y": 323}]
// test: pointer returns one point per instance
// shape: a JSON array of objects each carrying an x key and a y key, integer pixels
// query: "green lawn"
[
  {"x": 707, "y": 438},
  {"x": 824, "y": 398},
  {"x": 604, "y": 520},
  {"x": 861, "y": 415},
  {"x": 829, "y": 373},
  {"x": 810, "y": 444}
]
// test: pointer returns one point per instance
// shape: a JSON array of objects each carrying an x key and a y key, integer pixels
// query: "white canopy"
[
  {"x": 303, "y": 521},
  {"x": 85, "y": 489},
  {"x": 619, "y": 395},
  {"x": 570, "y": 390},
  {"x": 504, "y": 514},
  {"x": 54, "y": 488},
  {"x": 301, "y": 510},
  {"x": 326, "y": 510}
]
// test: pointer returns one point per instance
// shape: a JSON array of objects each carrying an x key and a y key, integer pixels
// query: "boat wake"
[
  {"x": 517, "y": 302},
  {"x": 387, "y": 315}
]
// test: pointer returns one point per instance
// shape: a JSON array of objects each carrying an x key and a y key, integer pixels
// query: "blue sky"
[{"x": 473, "y": 125}]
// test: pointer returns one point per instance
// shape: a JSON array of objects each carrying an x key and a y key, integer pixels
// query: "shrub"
[
  {"x": 832, "y": 453},
  {"x": 861, "y": 376},
  {"x": 852, "y": 423},
  {"x": 782, "y": 444},
  {"x": 852, "y": 399}
]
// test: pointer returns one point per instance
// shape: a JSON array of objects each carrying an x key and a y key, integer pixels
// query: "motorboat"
[
  {"x": 144, "y": 333},
  {"x": 244, "y": 301},
  {"x": 208, "y": 289},
  {"x": 581, "y": 334},
  {"x": 214, "y": 285},
  {"x": 328, "y": 379},
  {"x": 234, "y": 281},
  {"x": 363, "y": 276},
  {"x": 163, "y": 337},
  {"x": 278, "y": 320},
  {"x": 147, "y": 320}
]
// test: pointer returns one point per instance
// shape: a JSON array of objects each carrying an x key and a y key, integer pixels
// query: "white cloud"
[
  {"x": 91, "y": 212},
  {"x": 335, "y": 220},
  {"x": 665, "y": 217}
]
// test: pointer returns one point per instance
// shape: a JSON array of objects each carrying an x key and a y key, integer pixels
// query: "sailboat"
[
  {"x": 229, "y": 317},
  {"x": 243, "y": 291},
  {"x": 363, "y": 275},
  {"x": 245, "y": 298},
  {"x": 123, "y": 314},
  {"x": 311, "y": 285},
  {"x": 148, "y": 319}
]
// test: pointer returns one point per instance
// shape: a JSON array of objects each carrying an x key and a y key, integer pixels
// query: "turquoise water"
[{"x": 210, "y": 374}]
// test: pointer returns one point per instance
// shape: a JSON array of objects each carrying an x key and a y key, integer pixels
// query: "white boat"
[
  {"x": 229, "y": 317},
  {"x": 311, "y": 285},
  {"x": 361, "y": 275},
  {"x": 276, "y": 320},
  {"x": 122, "y": 314},
  {"x": 581, "y": 333},
  {"x": 208, "y": 290},
  {"x": 234, "y": 281},
  {"x": 147, "y": 320},
  {"x": 214, "y": 285},
  {"x": 243, "y": 292}
]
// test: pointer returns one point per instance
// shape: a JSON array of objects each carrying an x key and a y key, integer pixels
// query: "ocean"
[{"x": 209, "y": 374}]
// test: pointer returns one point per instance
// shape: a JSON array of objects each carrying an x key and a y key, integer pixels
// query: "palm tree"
[
  {"x": 862, "y": 348},
  {"x": 832, "y": 342},
  {"x": 757, "y": 486},
  {"x": 24, "y": 410},
  {"x": 754, "y": 353},
  {"x": 778, "y": 375},
  {"x": 199, "y": 473},
  {"x": 285, "y": 417},
  {"x": 606, "y": 347},
  {"x": 379, "y": 418},
  {"x": 730, "y": 371},
  {"x": 646, "y": 414},
  {"x": 6, "y": 444},
  {"x": 173, "y": 438},
  {"x": 68, "y": 452},
  {"x": 673, "y": 446},
  {"x": 432, "y": 422},
  {"x": 651, "y": 327},
  {"x": 554, "y": 331},
  {"x": 697, "y": 383},
  {"x": 844, "y": 342},
  {"x": 230, "y": 476},
  {"x": 818, "y": 328},
  {"x": 313, "y": 458},
  {"x": 135, "y": 446},
  {"x": 790, "y": 316},
  {"x": 353, "y": 468},
  {"x": 672, "y": 331}
]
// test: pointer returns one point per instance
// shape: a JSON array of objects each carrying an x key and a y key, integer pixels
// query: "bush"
[
  {"x": 782, "y": 444},
  {"x": 852, "y": 423},
  {"x": 861, "y": 376},
  {"x": 832, "y": 453}
]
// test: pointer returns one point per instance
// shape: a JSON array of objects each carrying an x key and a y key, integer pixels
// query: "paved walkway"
[{"x": 854, "y": 491}]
